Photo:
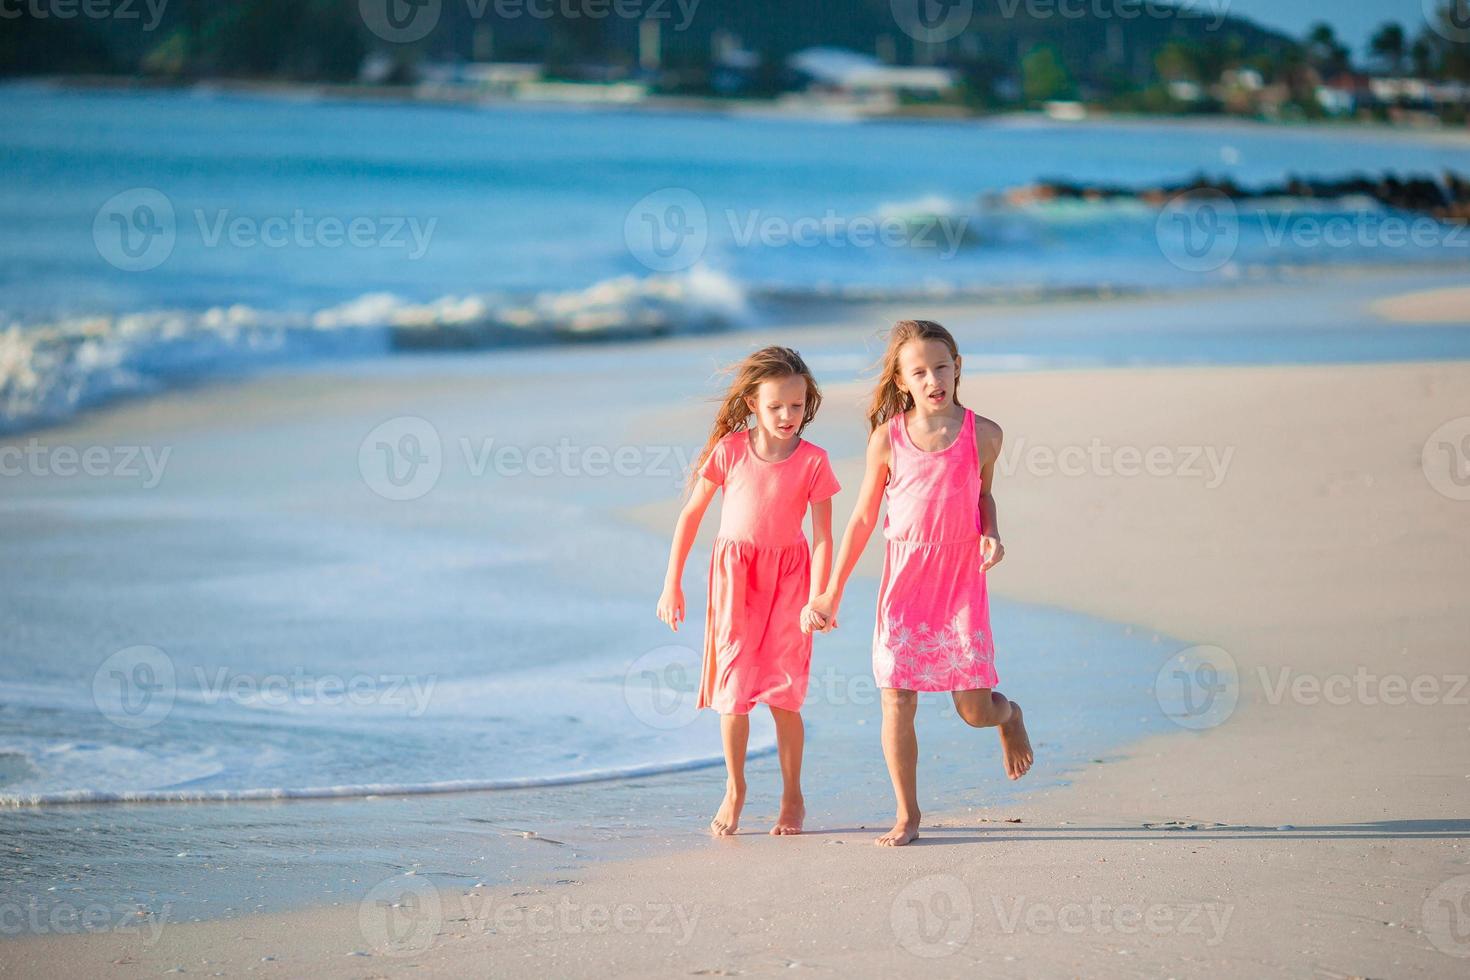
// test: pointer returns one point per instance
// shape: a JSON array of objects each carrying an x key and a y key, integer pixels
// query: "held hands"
[
  {"x": 671, "y": 606},
  {"x": 819, "y": 615},
  {"x": 991, "y": 552}
]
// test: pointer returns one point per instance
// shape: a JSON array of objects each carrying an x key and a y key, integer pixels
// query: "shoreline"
[
  {"x": 412, "y": 95},
  {"x": 1405, "y": 299}
]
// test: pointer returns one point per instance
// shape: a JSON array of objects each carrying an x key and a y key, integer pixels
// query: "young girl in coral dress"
[
  {"x": 933, "y": 461},
  {"x": 762, "y": 572}
]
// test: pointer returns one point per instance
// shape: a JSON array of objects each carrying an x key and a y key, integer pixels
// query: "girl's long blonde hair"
[
  {"x": 766, "y": 364},
  {"x": 888, "y": 400}
]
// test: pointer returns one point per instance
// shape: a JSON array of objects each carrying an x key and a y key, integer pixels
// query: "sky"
[{"x": 1354, "y": 20}]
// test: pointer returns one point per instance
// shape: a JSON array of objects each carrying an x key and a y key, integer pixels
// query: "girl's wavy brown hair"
[
  {"x": 766, "y": 364},
  {"x": 888, "y": 400}
]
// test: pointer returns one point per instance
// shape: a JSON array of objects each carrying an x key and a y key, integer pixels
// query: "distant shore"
[{"x": 794, "y": 108}]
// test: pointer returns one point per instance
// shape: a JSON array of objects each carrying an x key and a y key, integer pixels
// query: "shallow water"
[{"x": 165, "y": 237}]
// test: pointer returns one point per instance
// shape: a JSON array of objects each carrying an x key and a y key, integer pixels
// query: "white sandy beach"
[{"x": 1289, "y": 516}]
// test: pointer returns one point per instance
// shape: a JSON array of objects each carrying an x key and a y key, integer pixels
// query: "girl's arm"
[
  {"x": 671, "y": 602},
  {"x": 821, "y": 547},
  {"x": 859, "y": 529},
  {"x": 988, "y": 439}
]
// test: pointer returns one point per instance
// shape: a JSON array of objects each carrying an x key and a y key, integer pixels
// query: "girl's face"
[
  {"x": 779, "y": 405},
  {"x": 928, "y": 373}
]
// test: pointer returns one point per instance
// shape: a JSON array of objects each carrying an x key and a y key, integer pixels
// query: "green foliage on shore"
[{"x": 1138, "y": 54}]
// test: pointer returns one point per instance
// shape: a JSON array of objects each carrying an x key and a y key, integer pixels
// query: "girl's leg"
[
  {"x": 985, "y": 708},
  {"x": 735, "y": 731},
  {"x": 901, "y": 749},
  {"x": 790, "y": 741}
]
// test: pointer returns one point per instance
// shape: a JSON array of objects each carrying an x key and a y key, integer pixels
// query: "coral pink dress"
[
  {"x": 933, "y": 626},
  {"x": 760, "y": 576}
]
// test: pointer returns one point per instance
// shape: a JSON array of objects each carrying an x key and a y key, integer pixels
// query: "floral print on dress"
[{"x": 923, "y": 657}]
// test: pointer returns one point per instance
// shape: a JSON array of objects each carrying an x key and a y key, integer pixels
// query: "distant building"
[
  {"x": 500, "y": 77},
  {"x": 1353, "y": 92},
  {"x": 1245, "y": 79},
  {"x": 520, "y": 80},
  {"x": 1345, "y": 93},
  {"x": 839, "y": 72},
  {"x": 733, "y": 67},
  {"x": 1243, "y": 91},
  {"x": 1065, "y": 110},
  {"x": 1418, "y": 92},
  {"x": 1185, "y": 90}
]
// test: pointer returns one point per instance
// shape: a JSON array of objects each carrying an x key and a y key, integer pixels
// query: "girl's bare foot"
[
  {"x": 791, "y": 817},
  {"x": 905, "y": 831},
  {"x": 1015, "y": 744},
  {"x": 727, "y": 820}
]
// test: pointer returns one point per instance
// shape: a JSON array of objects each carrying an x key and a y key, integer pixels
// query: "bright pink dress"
[
  {"x": 760, "y": 576},
  {"x": 933, "y": 626}
]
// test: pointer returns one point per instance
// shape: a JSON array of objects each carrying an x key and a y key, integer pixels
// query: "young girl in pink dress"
[
  {"x": 762, "y": 572},
  {"x": 932, "y": 460}
]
